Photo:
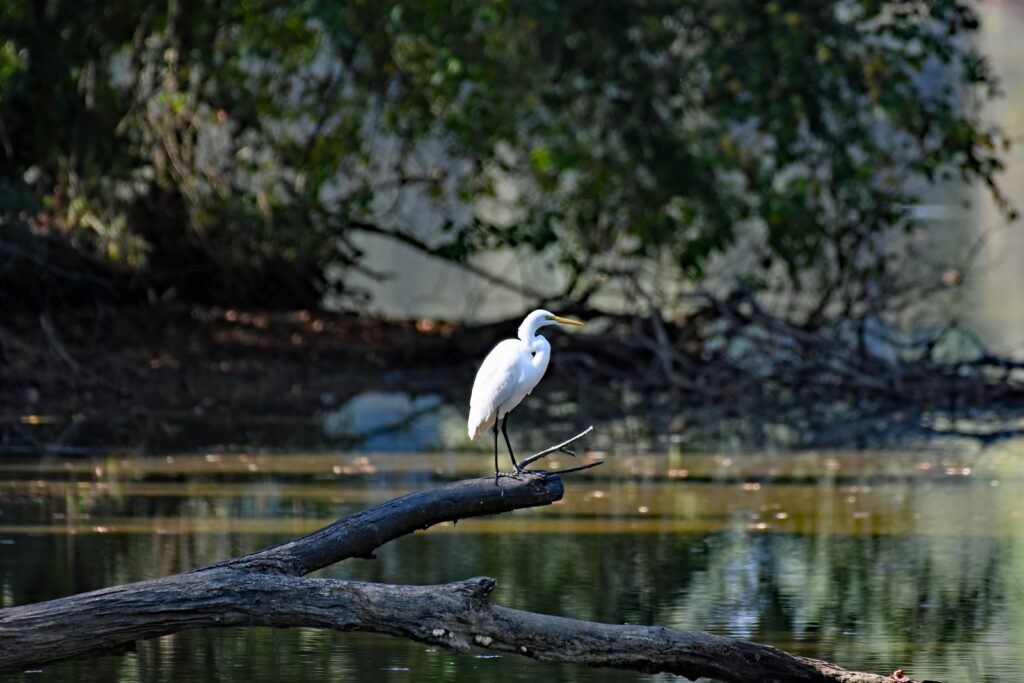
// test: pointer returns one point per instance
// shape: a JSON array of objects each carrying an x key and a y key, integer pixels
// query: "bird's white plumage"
[
  {"x": 506, "y": 376},
  {"x": 510, "y": 371}
]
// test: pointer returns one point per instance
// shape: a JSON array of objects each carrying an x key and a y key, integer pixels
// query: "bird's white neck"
[
  {"x": 541, "y": 350},
  {"x": 532, "y": 323},
  {"x": 536, "y": 344}
]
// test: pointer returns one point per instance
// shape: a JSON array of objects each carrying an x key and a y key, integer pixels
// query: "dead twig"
[{"x": 548, "y": 451}]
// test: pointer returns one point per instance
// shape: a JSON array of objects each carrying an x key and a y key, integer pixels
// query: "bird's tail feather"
[{"x": 477, "y": 424}]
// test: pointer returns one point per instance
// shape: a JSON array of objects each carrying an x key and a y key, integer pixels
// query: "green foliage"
[{"x": 261, "y": 132}]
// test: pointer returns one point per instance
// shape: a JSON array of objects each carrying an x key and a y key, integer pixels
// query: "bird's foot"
[
  {"x": 521, "y": 472},
  {"x": 518, "y": 473}
]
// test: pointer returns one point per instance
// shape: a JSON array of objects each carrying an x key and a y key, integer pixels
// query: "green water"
[{"x": 875, "y": 560}]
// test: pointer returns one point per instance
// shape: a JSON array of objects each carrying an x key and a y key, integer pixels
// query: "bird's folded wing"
[{"x": 496, "y": 382}]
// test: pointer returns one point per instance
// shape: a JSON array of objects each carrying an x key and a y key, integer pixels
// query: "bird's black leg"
[
  {"x": 504, "y": 433},
  {"x": 496, "y": 453}
]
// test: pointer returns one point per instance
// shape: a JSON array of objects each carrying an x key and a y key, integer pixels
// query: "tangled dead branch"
[{"x": 732, "y": 348}]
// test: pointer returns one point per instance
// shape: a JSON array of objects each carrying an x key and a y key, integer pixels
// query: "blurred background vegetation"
[
  {"x": 230, "y": 153},
  {"x": 739, "y": 190}
]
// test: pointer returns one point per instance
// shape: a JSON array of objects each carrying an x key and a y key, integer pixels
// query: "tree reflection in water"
[{"x": 876, "y": 561}]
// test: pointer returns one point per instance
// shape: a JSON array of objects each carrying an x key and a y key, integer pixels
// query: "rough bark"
[
  {"x": 359, "y": 534},
  {"x": 267, "y": 588}
]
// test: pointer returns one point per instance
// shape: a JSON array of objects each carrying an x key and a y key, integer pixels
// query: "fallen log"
[{"x": 269, "y": 588}]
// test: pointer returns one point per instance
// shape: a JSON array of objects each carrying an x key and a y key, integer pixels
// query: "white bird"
[{"x": 509, "y": 372}]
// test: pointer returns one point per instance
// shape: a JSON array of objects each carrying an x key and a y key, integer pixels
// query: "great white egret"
[{"x": 509, "y": 372}]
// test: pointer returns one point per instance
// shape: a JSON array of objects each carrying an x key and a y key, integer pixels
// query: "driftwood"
[{"x": 267, "y": 588}]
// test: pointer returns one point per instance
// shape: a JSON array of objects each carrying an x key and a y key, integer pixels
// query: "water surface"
[{"x": 876, "y": 560}]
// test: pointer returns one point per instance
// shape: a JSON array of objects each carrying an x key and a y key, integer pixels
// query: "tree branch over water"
[{"x": 269, "y": 588}]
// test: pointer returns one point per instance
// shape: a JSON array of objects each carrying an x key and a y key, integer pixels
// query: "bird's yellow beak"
[{"x": 565, "y": 321}]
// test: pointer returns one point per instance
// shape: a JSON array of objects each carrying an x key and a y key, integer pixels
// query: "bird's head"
[{"x": 541, "y": 318}]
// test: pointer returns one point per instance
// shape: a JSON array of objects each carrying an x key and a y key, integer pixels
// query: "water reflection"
[{"x": 875, "y": 559}]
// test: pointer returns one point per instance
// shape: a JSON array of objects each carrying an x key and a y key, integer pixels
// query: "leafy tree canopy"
[{"x": 250, "y": 142}]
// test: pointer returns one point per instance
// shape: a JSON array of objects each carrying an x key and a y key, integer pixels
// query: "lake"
[{"x": 877, "y": 560}]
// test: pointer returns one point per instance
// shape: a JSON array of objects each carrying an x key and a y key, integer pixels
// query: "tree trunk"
[{"x": 268, "y": 588}]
